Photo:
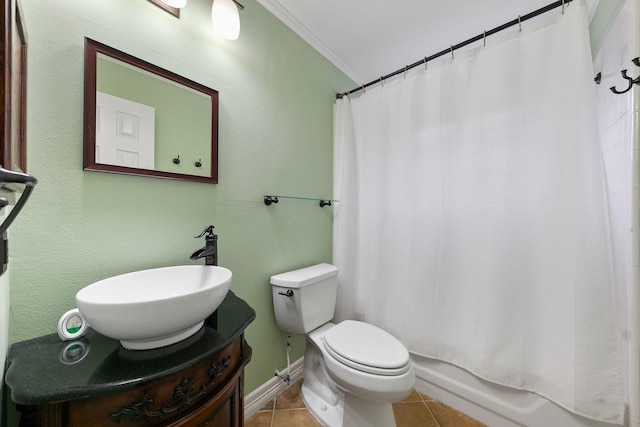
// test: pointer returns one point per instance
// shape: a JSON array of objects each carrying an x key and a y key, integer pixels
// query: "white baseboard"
[{"x": 271, "y": 389}]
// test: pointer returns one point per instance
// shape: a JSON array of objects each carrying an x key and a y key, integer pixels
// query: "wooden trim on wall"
[{"x": 13, "y": 92}]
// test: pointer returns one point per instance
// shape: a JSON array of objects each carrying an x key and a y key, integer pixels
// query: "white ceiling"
[{"x": 367, "y": 39}]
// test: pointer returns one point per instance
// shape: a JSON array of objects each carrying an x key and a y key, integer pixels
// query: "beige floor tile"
[
  {"x": 417, "y": 410},
  {"x": 291, "y": 398},
  {"x": 413, "y": 397},
  {"x": 425, "y": 397},
  {"x": 259, "y": 419},
  {"x": 413, "y": 414},
  {"x": 449, "y": 417},
  {"x": 294, "y": 418},
  {"x": 268, "y": 406}
]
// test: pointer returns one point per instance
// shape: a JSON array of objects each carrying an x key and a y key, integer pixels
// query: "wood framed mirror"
[
  {"x": 140, "y": 119},
  {"x": 13, "y": 88}
]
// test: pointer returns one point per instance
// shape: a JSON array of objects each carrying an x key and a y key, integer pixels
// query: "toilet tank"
[{"x": 304, "y": 299}]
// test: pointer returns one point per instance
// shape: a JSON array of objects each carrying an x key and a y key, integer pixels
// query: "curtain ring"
[
  {"x": 425, "y": 62},
  {"x": 381, "y": 82},
  {"x": 405, "y": 71},
  {"x": 451, "y": 51},
  {"x": 364, "y": 90},
  {"x": 519, "y": 23},
  {"x": 484, "y": 39},
  {"x": 563, "y": 7}
]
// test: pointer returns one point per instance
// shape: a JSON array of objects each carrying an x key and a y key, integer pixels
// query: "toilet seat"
[{"x": 366, "y": 348}]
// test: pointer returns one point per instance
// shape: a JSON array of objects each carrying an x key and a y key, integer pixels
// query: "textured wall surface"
[{"x": 276, "y": 100}]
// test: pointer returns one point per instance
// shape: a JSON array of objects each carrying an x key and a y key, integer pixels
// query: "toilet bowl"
[
  {"x": 353, "y": 371},
  {"x": 341, "y": 391}
]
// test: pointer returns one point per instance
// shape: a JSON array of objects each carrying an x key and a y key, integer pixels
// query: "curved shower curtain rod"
[{"x": 452, "y": 48}]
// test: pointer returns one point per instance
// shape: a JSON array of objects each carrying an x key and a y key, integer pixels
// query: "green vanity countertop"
[{"x": 37, "y": 372}]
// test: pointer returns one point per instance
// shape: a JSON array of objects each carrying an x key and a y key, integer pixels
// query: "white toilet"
[{"x": 352, "y": 371}]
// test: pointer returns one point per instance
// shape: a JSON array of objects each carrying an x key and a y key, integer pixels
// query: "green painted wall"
[
  {"x": 603, "y": 19},
  {"x": 276, "y": 100}
]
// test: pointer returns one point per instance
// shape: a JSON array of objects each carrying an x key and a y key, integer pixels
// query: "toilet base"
[
  {"x": 356, "y": 412},
  {"x": 328, "y": 415},
  {"x": 320, "y": 395},
  {"x": 360, "y": 412}
]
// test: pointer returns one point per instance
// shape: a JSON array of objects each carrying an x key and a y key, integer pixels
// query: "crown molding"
[
  {"x": 281, "y": 13},
  {"x": 290, "y": 21}
]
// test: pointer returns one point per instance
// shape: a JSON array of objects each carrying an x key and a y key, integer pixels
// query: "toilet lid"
[{"x": 366, "y": 347}]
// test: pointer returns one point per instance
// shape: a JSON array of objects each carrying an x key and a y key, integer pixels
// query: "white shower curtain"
[{"x": 472, "y": 221}]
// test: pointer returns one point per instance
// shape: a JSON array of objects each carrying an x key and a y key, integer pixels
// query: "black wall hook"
[
  {"x": 631, "y": 80},
  {"x": 198, "y": 163},
  {"x": 324, "y": 203},
  {"x": 176, "y": 160},
  {"x": 270, "y": 199}
]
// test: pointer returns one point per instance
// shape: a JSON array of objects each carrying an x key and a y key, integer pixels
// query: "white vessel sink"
[{"x": 154, "y": 308}]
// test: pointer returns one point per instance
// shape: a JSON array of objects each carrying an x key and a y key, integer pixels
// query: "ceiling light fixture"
[
  {"x": 175, "y": 3},
  {"x": 225, "y": 18}
]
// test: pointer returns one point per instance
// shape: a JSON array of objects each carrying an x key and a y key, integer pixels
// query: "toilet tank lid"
[{"x": 304, "y": 276}]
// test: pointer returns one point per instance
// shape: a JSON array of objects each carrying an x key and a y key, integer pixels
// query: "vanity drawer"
[
  {"x": 165, "y": 401},
  {"x": 225, "y": 410}
]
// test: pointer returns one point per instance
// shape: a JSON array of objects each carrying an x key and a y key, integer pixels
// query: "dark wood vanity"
[{"x": 95, "y": 382}]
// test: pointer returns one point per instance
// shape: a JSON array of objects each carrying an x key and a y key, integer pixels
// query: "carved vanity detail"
[
  {"x": 197, "y": 382},
  {"x": 183, "y": 397}
]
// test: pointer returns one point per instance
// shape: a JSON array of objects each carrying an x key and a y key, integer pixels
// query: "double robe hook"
[
  {"x": 176, "y": 161},
  {"x": 631, "y": 80}
]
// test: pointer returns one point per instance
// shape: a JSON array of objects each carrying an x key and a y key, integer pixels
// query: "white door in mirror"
[
  {"x": 125, "y": 132},
  {"x": 72, "y": 325}
]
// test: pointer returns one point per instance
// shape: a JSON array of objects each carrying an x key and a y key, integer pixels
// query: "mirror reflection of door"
[{"x": 125, "y": 132}]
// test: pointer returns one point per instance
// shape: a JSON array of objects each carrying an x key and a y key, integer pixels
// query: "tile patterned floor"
[{"x": 417, "y": 410}]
